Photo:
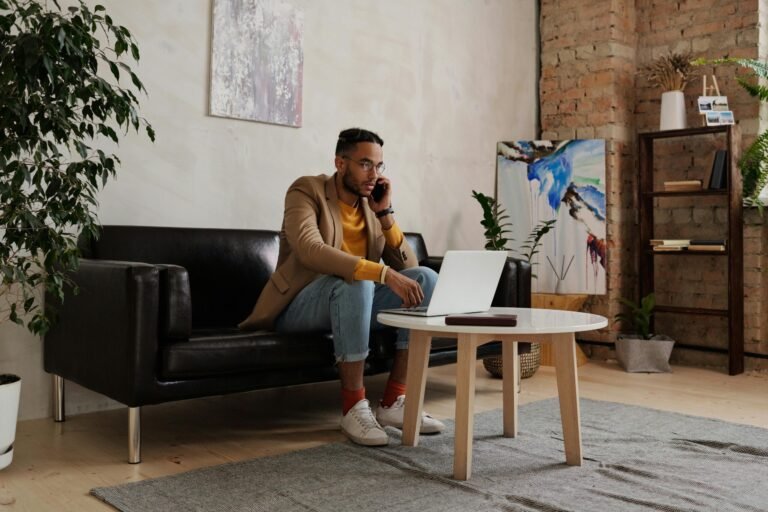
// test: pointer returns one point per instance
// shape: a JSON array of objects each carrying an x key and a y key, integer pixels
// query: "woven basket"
[{"x": 529, "y": 363}]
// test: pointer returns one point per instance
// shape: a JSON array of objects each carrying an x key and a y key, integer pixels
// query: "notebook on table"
[
  {"x": 494, "y": 319},
  {"x": 466, "y": 284}
]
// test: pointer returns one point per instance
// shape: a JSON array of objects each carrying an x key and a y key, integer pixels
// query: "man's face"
[{"x": 353, "y": 176}]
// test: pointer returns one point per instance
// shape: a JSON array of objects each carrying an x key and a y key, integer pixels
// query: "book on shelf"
[
  {"x": 716, "y": 248},
  {"x": 718, "y": 179},
  {"x": 669, "y": 248},
  {"x": 708, "y": 242},
  {"x": 663, "y": 242},
  {"x": 669, "y": 245},
  {"x": 717, "y": 245},
  {"x": 683, "y": 185}
]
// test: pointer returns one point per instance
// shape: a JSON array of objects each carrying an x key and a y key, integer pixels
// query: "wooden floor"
[{"x": 57, "y": 464}]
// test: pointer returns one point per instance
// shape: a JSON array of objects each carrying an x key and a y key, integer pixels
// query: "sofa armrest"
[
  {"x": 433, "y": 262},
  {"x": 514, "y": 288},
  {"x": 106, "y": 336},
  {"x": 175, "y": 302}
]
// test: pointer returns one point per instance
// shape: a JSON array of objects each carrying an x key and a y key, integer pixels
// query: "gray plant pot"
[{"x": 638, "y": 355}]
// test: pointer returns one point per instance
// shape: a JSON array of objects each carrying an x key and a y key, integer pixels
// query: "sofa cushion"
[
  {"x": 209, "y": 353},
  {"x": 233, "y": 351}
]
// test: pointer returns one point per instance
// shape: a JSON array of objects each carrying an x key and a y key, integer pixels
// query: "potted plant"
[
  {"x": 754, "y": 162},
  {"x": 54, "y": 110},
  {"x": 671, "y": 73},
  {"x": 642, "y": 351},
  {"x": 494, "y": 222},
  {"x": 10, "y": 391}
]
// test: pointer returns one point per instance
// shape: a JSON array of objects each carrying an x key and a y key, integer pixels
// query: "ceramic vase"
[{"x": 672, "y": 111}]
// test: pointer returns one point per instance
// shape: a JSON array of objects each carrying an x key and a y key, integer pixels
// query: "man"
[{"x": 329, "y": 276}]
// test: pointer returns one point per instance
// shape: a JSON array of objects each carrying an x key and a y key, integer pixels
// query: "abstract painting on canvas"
[
  {"x": 563, "y": 180},
  {"x": 257, "y": 61}
]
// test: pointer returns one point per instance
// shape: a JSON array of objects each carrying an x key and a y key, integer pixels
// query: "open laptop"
[{"x": 466, "y": 284}]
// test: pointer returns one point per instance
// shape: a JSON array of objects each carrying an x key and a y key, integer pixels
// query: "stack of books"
[
  {"x": 664, "y": 245},
  {"x": 667, "y": 245},
  {"x": 682, "y": 186}
]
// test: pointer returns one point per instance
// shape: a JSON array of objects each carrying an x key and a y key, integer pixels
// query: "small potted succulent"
[{"x": 642, "y": 351}]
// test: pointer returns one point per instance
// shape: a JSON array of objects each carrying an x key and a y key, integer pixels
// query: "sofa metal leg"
[
  {"x": 134, "y": 435},
  {"x": 58, "y": 398}
]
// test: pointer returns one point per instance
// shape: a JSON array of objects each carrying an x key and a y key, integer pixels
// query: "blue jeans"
[{"x": 349, "y": 310}]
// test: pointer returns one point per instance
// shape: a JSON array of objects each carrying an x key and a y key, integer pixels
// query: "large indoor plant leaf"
[{"x": 55, "y": 107}]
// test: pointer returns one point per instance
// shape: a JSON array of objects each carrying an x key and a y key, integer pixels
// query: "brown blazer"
[{"x": 310, "y": 246}]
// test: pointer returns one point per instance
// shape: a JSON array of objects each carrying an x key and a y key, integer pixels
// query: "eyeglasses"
[{"x": 367, "y": 165}]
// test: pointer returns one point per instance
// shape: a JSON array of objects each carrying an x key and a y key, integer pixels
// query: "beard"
[{"x": 351, "y": 186}]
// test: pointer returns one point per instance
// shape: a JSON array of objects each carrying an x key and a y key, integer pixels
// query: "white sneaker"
[
  {"x": 392, "y": 416},
  {"x": 360, "y": 425}
]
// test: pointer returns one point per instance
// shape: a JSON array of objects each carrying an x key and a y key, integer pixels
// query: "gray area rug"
[{"x": 634, "y": 459}]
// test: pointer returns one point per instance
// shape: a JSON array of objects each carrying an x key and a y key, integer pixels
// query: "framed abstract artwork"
[
  {"x": 539, "y": 181},
  {"x": 257, "y": 61}
]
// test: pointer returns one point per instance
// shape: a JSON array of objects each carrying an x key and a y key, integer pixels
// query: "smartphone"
[{"x": 378, "y": 191}]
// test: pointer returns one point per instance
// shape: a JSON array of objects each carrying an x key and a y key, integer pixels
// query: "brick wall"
[
  {"x": 593, "y": 85},
  {"x": 587, "y": 91}
]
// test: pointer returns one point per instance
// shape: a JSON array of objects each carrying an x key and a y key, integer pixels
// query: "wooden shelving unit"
[{"x": 735, "y": 237}]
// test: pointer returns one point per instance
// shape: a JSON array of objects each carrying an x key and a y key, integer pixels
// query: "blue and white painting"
[{"x": 564, "y": 181}]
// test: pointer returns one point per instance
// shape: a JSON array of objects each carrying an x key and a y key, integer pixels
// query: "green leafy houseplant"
[
  {"x": 531, "y": 245},
  {"x": 495, "y": 231},
  {"x": 54, "y": 109},
  {"x": 639, "y": 316},
  {"x": 642, "y": 351},
  {"x": 493, "y": 222},
  {"x": 496, "y": 227},
  {"x": 754, "y": 162}
]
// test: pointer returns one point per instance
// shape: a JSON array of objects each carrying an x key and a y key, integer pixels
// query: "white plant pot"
[
  {"x": 672, "y": 110},
  {"x": 10, "y": 391}
]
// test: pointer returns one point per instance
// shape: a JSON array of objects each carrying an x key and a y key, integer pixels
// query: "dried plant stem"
[{"x": 670, "y": 72}]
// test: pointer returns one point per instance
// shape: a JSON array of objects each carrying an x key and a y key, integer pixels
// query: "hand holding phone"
[{"x": 378, "y": 191}]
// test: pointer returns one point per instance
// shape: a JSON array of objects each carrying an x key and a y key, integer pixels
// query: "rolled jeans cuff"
[{"x": 353, "y": 358}]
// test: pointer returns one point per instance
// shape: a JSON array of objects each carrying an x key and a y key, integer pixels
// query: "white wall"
[{"x": 440, "y": 80}]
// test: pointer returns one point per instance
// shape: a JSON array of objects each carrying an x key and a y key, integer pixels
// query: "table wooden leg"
[
  {"x": 564, "y": 348},
  {"x": 510, "y": 366},
  {"x": 465, "y": 401},
  {"x": 415, "y": 380}
]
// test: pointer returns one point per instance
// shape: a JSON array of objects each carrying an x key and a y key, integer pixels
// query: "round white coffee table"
[{"x": 533, "y": 325}]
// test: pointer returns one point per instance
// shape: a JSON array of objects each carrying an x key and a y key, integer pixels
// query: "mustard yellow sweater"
[{"x": 356, "y": 243}]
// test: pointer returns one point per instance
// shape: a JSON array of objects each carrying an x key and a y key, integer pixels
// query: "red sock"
[
  {"x": 350, "y": 397},
  {"x": 394, "y": 389}
]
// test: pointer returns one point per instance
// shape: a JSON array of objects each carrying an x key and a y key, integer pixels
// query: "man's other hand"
[{"x": 406, "y": 288}]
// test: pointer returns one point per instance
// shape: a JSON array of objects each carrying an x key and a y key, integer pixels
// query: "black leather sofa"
[{"x": 155, "y": 320}]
